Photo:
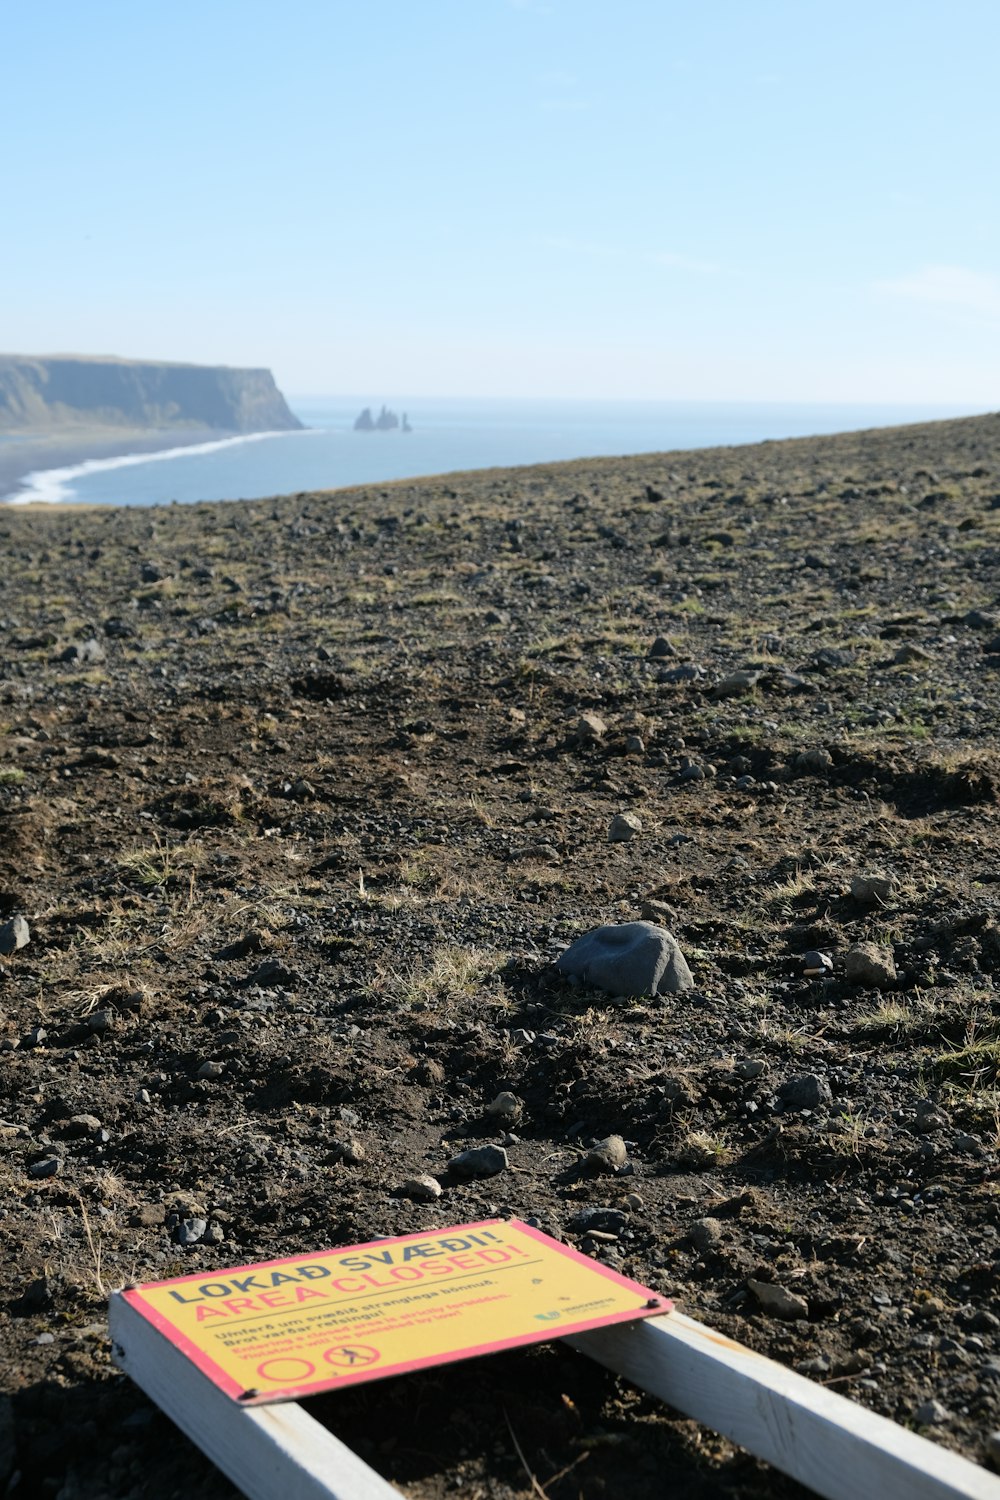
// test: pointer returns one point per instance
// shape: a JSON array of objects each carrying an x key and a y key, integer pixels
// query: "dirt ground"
[{"x": 302, "y": 789}]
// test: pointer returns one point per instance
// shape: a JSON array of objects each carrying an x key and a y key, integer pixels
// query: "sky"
[{"x": 733, "y": 200}]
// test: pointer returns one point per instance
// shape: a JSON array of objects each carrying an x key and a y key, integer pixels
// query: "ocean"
[{"x": 447, "y": 435}]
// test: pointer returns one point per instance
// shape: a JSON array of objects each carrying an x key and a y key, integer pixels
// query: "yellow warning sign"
[{"x": 292, "y": 1327}]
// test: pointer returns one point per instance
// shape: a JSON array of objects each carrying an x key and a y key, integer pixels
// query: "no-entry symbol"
[{"x": 351, "y": 1356}]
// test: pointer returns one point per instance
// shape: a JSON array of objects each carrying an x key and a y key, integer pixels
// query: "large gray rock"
[{"x": 633, "y": 958}]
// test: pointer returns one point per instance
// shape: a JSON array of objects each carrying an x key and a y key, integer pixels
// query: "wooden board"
[
  {"x": 837, "y": 1448},
  {"x": 269, "y": 1452}
]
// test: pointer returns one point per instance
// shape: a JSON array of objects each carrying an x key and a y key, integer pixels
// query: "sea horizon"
[{"x": 450, "y": 435}]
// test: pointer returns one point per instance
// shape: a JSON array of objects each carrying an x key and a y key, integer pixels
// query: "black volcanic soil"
[{"x": 316, "y": 809}]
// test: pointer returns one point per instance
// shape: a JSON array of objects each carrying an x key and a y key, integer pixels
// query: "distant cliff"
[{"x": 70, "y": 391}]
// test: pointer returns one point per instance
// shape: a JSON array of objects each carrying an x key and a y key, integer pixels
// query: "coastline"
[{"x": 23, "y": 454}]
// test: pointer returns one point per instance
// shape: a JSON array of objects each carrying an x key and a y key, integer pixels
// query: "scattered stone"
[
  {"x": 749, "y": 1067},
  {"x": 84, "y": 651},
  {"x": 978, "y": 619},
  {"x": 930, "y": 1117},
  {"x": 787, "y": 683},
  {"x": 350, "y": 1151},
  {"x": 992, "y": 1449},
  {"x": 931, "y": 1414},
  {"x": 816, "y": 965},
  {"x": 633, "y": 958},
  {"x": 624, "y": 826},
  {"x": 735, "y": 684},
  {"x": 601, "y": 1220},
  {"x": 101, "y": 759},
  {"x": 830, "y": 658},
  {"x": 910, "y": 654},
  {"x": 422, "y": 1189},
  {"x": 608, "y": 1155},
  {"x": 777, "y": 1301},
  {"x": 480, "y": 1161},
  {"x": 186, "y": 1206},
  {"x": 814, "y": 1368},
  {"x": 211, "y": 1070},
  {"x": 635, "y": 744},
  {"x": 48, "y": 1167},
  {"x": 657, "y": 912},
  {"x": 505, "y": 1107},
  {"x": 82, "y": 1125},
  {"x": 815, "y": 759},
  {"x": 13, "y": 935},
  {"x": 148, "y": 1216},
  {"x": 272, "y": 974},
  {"x": 190, "y": 1231},
  {"x": 590, "y": 727},
  {"x": 805, "y": 1091},
  {"x": 869, "y": 965},
  {"x": 872, "y": 890},
  {"x": 661, "y": 647},
  {"x": 706, "y": 1234},
  {"x": 688, "y": 672}
]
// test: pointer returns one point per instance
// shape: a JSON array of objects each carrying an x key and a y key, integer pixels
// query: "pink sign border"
[{"x": 224, "y": 1382}]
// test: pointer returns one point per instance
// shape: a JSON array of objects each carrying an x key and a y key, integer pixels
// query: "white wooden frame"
[{"x": 837, "y": 1448}]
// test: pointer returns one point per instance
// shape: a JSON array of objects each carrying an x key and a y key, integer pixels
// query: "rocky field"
[{"x": 301, "y": 798}]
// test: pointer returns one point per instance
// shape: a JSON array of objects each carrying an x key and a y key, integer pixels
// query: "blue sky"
[{"x": 740, "y": 199}]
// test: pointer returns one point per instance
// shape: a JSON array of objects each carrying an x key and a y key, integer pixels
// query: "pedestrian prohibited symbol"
[{"x": 351, "y": 1356}]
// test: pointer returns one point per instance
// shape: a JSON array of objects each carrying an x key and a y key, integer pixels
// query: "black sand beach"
[{"x": 32, "y": 452}]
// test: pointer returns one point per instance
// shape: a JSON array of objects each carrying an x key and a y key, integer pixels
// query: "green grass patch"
[{"x": 977, "y": 1064}]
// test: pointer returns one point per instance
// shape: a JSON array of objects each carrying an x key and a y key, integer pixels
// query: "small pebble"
[
  {"x": 48, "y": 1167},
  {"x": 190, "y": 1231},
  {"x": 777, "y": 1301},
  {"x": 13, "y": 935},
  {"x": 604, "y": 1220},
  {"x": 480, "y": 1161},
  {"x": 608, "y": 1155},
  {"x": 624, "y": 826},
  {"x": 505, "y": 1106},
  {"x": 931, "y": 1414},
  {"x": 422, "y": 1189},
  {"x": 706, "y": 1234}
]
